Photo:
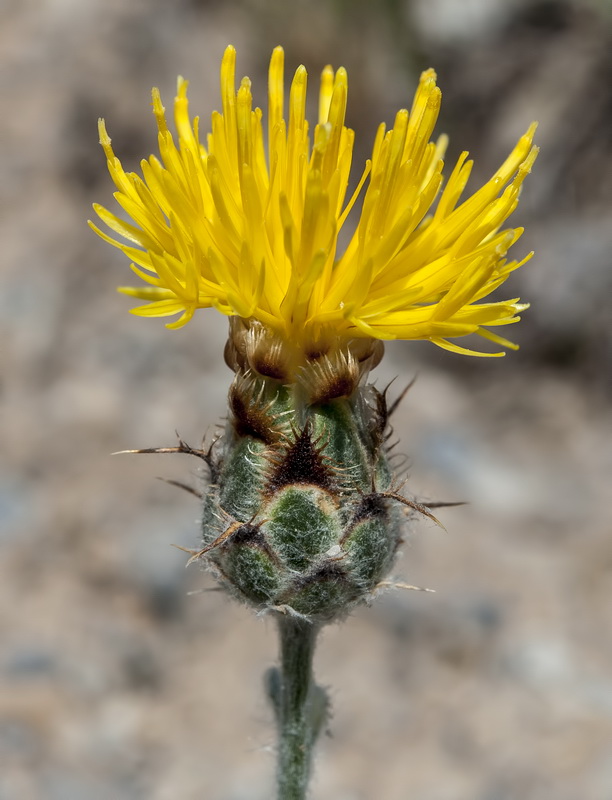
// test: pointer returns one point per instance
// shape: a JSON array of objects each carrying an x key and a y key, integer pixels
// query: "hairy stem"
[{"x": 299, "y": 704}]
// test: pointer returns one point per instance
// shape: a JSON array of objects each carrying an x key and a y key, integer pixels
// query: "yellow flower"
[{"x": 217, "y": 223}]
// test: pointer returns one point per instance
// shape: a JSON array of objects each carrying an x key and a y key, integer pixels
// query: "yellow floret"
[{"x": 253, "y": 231}]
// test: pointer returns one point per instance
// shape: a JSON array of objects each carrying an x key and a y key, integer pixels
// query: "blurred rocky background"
[{"x": 115, "y": 681}]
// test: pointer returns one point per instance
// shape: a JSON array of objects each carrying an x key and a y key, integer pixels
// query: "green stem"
[{"x": 299, "y": 704}]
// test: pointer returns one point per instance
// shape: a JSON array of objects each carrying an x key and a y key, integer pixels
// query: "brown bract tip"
[
  {"x": 251, "y": 346},
  {"x": 251, "y": 414},
  {"x": 330, "y": 377}
]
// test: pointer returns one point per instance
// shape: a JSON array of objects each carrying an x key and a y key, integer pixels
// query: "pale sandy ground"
[{"x": 114, "y": 682}]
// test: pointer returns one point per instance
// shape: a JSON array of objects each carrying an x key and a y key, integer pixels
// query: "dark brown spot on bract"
[
  {"x": 371, "y": 506},
  {"x": 269, "y": 368},
  {"x": 247, "y": 534},
  {"x": 300, "y": 461},
  {"x": 332, "y": 388},
  {"x": 251, "y": 420}
]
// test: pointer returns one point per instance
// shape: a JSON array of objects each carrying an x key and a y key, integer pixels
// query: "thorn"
[
  {"x": 395, "y": 404},
  {"x": 197, "y": 554},
  {"x": 390, "y": 447},
  {"x": 184, "y": 486},
  {"x": 389, "y": 434},
  {"x": 182, "y": 448},
  {"x": 447, "y": 505},
  {"x": 408, "y": 586},
  {"x": 413, "y": 504},
  {"x": 398, "y": 488},
  {"x": 185, "y": 549},
  {"x": 203, "y": 441},
  {"x": 387, "y": 387},
  {"x": 401, "y": 464}
]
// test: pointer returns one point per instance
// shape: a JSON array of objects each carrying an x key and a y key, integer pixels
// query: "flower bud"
[{"x": 302, "y": 518}]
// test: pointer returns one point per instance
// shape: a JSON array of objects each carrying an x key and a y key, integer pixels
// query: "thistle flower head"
[{"x": 248, "y": 222}]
